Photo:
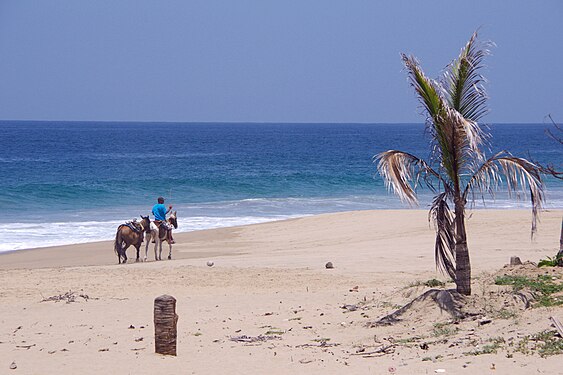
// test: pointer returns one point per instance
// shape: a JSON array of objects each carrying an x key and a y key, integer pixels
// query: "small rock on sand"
[{"x": 329, "y": 265}]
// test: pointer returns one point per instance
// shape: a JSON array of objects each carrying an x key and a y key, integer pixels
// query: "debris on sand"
[
  {"x": 253, "y": 339},
  {"x": 68, "y": 297}
]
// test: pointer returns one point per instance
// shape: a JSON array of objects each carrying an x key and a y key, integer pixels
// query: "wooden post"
[
  {"x": 561, "y": 238},
  {"x": 560, "y": 253},
  {"x": 165, "y": 322}
]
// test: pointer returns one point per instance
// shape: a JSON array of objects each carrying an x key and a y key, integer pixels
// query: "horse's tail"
[{"x": 117, "y": 244}]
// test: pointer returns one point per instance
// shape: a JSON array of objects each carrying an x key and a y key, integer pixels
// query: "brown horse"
[
  {"x": 130, "y": 234},
  {"x": 159, "y": 235}
]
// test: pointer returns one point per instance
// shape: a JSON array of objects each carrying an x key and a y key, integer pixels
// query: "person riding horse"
[{"x": 159, "y": 211}]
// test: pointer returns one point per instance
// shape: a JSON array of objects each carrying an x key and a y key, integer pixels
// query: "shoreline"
[
  {"x": 101, "y": 252},
  {"x": 95, "y": 227}
]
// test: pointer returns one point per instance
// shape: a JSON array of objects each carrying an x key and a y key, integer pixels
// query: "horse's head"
[
  {"x": 146, "y": 223},
  {"x": 172, "y": 220}
]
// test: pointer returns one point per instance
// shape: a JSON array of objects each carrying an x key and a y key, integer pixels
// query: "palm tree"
[{"x": 458, "y": 169}]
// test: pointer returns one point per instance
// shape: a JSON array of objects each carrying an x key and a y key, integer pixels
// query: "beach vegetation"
[
  {"x": 274, "y": 331},
  {"x": 506, "y": 314},
  {"x": 493, "y": 345},
  {"x": 545, "y": 343},
  {"x": 444, "y": 329},
  {"x": 321, "y": 340},
  {"x": 458, "y": 171},
  {"x": 431, "y": 283},
  {"x": 551, "y": 262},
  {"x": 434, "y": 283},
  {"x": 544, "y": 288},
  {"x": 407, "y": 340}
]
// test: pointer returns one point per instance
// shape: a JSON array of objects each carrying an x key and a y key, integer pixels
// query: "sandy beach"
[{"x": 269, "y": 281}]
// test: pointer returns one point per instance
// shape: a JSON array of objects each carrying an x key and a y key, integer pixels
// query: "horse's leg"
[
  {"x": 147, "y": 240},
  {"x": 169, "y": 250},
  {"x": 124, "y": 252},
  {"x": 155, "y": 246},
  {"x": 138, "y": 247}
]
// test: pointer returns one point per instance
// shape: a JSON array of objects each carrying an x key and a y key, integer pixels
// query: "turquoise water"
[{"x": 91, "y": 176}]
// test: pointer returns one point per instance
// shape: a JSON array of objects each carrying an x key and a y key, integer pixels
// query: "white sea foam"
[
  {"x": 91, "y": 226},
  {"x": 18, "y": 236}
]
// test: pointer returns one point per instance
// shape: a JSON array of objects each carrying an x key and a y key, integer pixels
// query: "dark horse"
[{"x": 130, "y": 234}]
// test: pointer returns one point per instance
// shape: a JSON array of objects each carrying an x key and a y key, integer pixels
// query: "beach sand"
[{"x": 270, "y": 279}]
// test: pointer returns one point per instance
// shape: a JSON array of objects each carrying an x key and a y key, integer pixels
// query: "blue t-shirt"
[{"x": 159, "y": 211}]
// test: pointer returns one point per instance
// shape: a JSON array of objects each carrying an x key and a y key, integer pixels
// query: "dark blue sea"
[{"x": 69, "y": 182}]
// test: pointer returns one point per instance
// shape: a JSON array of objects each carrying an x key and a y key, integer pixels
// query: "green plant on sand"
[
  {"x": 543, "y": 286},
  {"x": 545, "y": 343},
  {"x": 551, "y": 262}
]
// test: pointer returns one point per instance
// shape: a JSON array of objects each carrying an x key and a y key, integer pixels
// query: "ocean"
[{"x": 73, "y": 182}]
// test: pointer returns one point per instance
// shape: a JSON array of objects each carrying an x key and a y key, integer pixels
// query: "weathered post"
[
  {"x": 560, "y": 253},
  {"x": 165, "y": 322},
  {"x": 515, "y": 261}
]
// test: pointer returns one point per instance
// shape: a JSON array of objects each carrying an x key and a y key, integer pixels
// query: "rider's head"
[{"x": 160, "y": 200}]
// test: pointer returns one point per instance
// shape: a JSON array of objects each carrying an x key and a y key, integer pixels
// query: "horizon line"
[{"x": 262, "y": 122}]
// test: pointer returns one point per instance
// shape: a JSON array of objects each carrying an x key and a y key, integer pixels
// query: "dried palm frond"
[
  {"x": 521, "y": 176},
  {"x": 400, "y": 169},
  {"x": 444, "y": 224},
  {"x": 465, "y": 138}
]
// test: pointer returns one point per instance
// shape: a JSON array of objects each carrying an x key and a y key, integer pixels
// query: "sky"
[{"x": 268, "y": 61}]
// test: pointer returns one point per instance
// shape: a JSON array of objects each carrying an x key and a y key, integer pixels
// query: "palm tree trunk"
[{"x": 462, "y": 262}]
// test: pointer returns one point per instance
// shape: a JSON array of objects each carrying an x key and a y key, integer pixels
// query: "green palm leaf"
[
  {"x": 463, "y": 81},
  {"x": 457, "y": 139}
]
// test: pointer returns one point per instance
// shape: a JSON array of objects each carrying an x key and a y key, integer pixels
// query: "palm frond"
[
  {"x": 427, "y": 89},
  {"x": 465, "y": 137},
  {"x": 457, "y": 139},
  {"x": 464, "y": 83},
  {"x": 400, "y": 169},
  {"x": 444, "y": 224},
  {"x": 521, "y": 177}
]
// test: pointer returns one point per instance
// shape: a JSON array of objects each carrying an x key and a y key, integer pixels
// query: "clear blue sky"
[{"x": 271, "y": 61}]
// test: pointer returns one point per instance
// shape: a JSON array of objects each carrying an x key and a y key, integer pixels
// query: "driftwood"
[
  {"x": 386, "y": 349},
  {"x": 165, "y": 325},
  {"x": 557, "y": 325}
]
